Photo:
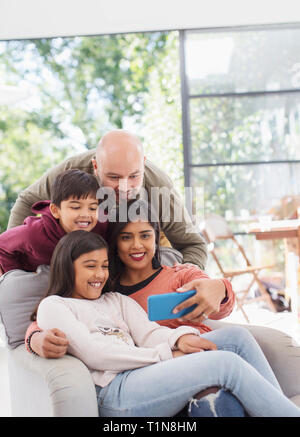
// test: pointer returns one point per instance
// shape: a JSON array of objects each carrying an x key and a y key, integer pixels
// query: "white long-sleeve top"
[{"x": 111, "y": 334}]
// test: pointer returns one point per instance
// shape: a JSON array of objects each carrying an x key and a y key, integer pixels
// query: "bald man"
[{"x": 119, "y": 163}]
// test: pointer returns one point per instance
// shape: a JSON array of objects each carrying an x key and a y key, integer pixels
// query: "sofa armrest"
[{"x": 50, "y": 387}]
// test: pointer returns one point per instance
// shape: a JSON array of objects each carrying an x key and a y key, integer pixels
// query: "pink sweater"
[
  {"x": 168, "y": 280},
  {"x": 111, "y": 334}
]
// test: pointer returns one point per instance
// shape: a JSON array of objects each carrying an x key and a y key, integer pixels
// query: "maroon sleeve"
[{"x": 11, "y": 248}]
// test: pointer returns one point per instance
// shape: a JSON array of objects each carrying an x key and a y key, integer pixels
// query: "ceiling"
[{"x": 21, "y": 19}]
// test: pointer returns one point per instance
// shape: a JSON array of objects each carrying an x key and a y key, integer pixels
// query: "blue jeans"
[{"x": 165, "y": 388}]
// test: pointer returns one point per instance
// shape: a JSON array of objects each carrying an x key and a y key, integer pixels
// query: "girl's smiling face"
[
  {"x": 91, "y": 273},
  {"x": 136, "y": 245}
]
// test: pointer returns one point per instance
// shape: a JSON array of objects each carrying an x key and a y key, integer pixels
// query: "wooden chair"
[{"x": 216, "y": 228}]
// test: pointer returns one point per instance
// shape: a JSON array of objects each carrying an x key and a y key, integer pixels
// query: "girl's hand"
[
  {"x": 208, "y": 298},
  {"x": 191, "y": 343},
  {"x": 177, "y": 354}
]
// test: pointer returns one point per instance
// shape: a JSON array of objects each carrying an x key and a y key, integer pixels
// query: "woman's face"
[
  {"x": 91, "y": 273},
  {"x": 136, "y": 245}
]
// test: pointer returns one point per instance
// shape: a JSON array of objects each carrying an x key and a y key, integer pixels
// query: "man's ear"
[
  {"x": 94, "y": 162},
  {"x": 54, "y": 209}
]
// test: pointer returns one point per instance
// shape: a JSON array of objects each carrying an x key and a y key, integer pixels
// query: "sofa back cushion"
[{"x": 20, "y": 293}]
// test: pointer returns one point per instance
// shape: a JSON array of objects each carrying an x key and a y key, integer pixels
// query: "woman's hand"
[
  {"x": 51, "y": 343},
  {"x": 208, "y": 298},
  {"x": 191, "y": 343}
]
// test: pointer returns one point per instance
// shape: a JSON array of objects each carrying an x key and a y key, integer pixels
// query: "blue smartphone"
[{"x": 160, "y": 306}]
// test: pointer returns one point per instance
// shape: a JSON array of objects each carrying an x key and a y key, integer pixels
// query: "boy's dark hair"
[
  {"x": 68, "y": 249},
  {"x": 73, "y": 183},
  {"x": 117, "y": 223}
]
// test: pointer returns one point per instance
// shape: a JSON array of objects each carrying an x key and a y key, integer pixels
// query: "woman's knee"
[
  {"x": 239, "y": 334},
  {"x": 226, "y": 365}
]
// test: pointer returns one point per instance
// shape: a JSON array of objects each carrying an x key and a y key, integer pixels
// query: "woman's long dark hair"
[
  {"x": 119, "y": 217},
  {"x": 68, "y": 249}
]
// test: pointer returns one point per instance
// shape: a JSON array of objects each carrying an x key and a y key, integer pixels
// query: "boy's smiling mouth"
[{"x": 83, "y": 224}]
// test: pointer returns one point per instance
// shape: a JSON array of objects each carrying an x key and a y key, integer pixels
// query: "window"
[{"x": 241, "y": 117}]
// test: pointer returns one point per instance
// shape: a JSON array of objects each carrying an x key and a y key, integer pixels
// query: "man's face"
[{"x": 124, "y": 176}]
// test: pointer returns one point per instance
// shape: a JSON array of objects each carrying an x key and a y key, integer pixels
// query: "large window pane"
[
  {"x": 241, "y": 61},
  {"x": 239, "y": 191},
  {"x": 249, "y": 128}
]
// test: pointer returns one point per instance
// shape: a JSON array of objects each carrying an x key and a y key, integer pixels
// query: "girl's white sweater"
[{"x": 111, "y": 334}]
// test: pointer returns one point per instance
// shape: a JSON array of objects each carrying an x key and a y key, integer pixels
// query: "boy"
[{"x": 73, "y": 206}]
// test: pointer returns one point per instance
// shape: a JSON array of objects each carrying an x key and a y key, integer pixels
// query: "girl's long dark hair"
[
  {"x": 117, "y": 222},
  {"x": 68, "y": 249}
]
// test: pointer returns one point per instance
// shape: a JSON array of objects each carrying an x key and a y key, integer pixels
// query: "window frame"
[{"x": 186, "y": 97}]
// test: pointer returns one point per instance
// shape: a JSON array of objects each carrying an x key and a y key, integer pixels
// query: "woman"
[{"x": 135, "y": 269}]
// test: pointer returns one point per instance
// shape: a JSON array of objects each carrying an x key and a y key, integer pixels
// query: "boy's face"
[{"x": 76, "y": 214}]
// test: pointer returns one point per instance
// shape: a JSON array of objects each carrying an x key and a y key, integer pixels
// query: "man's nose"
[{"x": 123, "y": 185}]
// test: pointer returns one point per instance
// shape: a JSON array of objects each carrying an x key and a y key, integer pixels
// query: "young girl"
[{"x": 139, "y": 367}]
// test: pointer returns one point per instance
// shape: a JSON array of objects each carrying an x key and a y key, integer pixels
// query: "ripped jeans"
[{"x": 165, "y": 388}]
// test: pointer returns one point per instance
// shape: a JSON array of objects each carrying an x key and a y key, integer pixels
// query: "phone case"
[{"x": 160, "y": 306}]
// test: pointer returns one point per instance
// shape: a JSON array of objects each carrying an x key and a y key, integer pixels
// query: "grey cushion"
[
  {"x": 169, "y": 256},
  {"x": 20, "y": 293}
]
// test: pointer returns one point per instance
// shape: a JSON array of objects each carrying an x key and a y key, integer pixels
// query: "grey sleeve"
[
  {"x": 174, "y": 218},
  {"x": 182, "y": 234}
]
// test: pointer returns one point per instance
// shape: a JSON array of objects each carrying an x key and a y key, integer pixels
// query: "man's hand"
[
  {"x": 51, "y": 343},
  {"x": 191, "y": 343},
  {"x": 177, "y": 266},
  {"x": 208, "y": 298}
]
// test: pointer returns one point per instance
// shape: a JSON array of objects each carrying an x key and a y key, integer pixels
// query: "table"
[{"x": 289, "y": 230}]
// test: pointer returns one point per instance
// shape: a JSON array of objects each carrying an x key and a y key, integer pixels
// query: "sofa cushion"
[
  {"x": 169, "y": 256},
  {"x": 20, "y": 293}
]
